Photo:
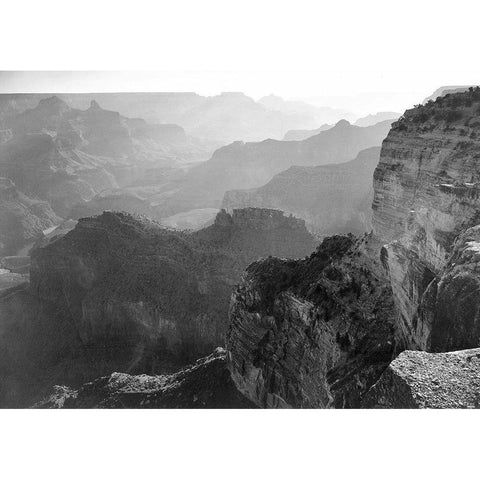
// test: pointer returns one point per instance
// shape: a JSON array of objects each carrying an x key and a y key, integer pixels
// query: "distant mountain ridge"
[
  {"x": 251, "y": 165},
  {"x": 223, "y": 118}
]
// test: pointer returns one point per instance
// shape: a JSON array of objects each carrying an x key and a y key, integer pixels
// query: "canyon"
[{"x": 385, "y": 318}]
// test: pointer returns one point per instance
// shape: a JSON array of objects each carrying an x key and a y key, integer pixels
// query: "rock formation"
[
  {"x": 312, "y": 333},
  {"x": 429, "y": 380},
  {"x": 332, "y": 199},
  {"x": 124, "y": 294}
]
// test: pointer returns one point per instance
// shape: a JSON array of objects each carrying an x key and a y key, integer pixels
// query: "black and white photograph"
[{"x": 223, "y": 206}]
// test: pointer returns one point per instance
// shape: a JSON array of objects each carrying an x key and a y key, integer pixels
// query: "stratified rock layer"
[
  {"x": 427, "y": 192},
  {"x": 429, "y": 380}
]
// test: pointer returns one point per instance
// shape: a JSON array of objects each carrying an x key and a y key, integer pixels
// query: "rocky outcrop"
[
  {"x": 332, "y": 199},
  {"x": 125, "y": 294},
  {"x": 205, "y": 384},
  {"x": 251, "y": 165},
  {"x": 429, "y": 380},
  {"x": 313, "y": 333},
  {"x": 426, "y": 194}
]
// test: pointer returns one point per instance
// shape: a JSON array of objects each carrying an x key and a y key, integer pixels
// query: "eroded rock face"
[
  {"x": 312, "y": 333},
  {"x": 205, "y": 384},
  {"x": 426, "y": 194},
  {"x": 429, "y": 380}
]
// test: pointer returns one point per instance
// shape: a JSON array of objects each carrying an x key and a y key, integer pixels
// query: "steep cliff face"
[
  {"x": 332, "y": 199},
  {"x": 312, "y": 333},
  {"x": 125, "y": 294},
  {"x": 426, "y": 194}
]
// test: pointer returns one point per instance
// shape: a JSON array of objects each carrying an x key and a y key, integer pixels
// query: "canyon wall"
[
  {"x": 426, "y": 194},
  {"x": 411, "y": 284}
]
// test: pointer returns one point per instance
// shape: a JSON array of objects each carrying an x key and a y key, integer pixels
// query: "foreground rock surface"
[
  {"x": 429, "y": 380},
  {"x": 205, "y": 384}
]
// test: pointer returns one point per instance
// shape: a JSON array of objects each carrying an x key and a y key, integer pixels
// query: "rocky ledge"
[
  {"x": 429, "y": 380},
  {"x": 205, "y": 384}
]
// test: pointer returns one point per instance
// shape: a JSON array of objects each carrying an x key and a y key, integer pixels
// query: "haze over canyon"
[{"x": 173, "y": 250}]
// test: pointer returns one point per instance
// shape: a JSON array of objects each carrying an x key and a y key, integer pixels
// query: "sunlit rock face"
[{"x": 427, "y": 192}]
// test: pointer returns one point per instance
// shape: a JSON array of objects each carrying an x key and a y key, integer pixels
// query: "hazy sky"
[
  {"x": 370, "y": 55},
  {"x": 361, "y": 92}
]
